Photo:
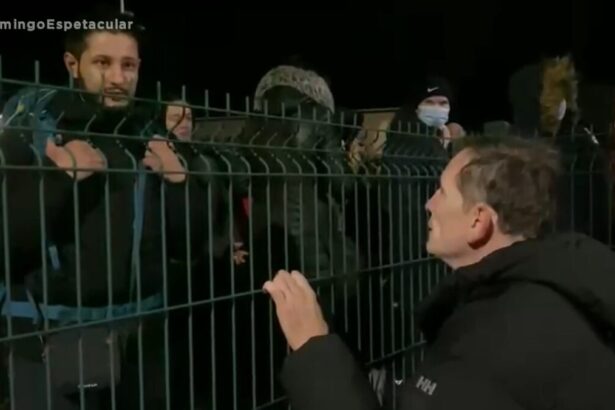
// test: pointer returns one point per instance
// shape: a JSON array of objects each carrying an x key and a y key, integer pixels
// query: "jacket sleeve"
[
  {"x": 25, "y": 192},
  {"x": 323, "y": 375},
  {"x": 452, "y": 384}
]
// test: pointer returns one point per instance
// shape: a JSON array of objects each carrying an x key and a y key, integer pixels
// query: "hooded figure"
[
  {"x": 294, "y": 152},
  {"x": 544, "y": 101},
  {"x": 299, "y": 138},
  {"x": 543, "y": 96}
]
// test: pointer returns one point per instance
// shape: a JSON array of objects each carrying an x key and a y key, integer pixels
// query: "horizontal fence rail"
[{"x": 133, "y": 260}]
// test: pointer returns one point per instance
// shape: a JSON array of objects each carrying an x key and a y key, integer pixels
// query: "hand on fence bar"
[
  {"x": 239, "y": 253},
  {"x": 76, "y": 155},
  {"x": 297, "y": 308},
  {"x": 160, "y": 157}
]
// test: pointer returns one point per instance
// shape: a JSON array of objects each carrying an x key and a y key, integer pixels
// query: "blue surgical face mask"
[{"x": 433, "y": 115}]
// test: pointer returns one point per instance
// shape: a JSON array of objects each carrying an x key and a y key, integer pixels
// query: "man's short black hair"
[
  {"x": 107, "y": 20},
  {"x": 517, "y": 177}
]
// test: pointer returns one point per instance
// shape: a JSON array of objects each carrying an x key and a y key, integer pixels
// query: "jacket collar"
[{"x": 457, "y": 287}]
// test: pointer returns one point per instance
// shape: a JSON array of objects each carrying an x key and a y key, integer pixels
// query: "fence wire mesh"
[{"x": 132, "y": 276}]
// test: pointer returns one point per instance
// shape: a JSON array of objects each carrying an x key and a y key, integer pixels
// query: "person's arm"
[
  {"x": 324, "y": 375},
  {"x": 321, "y": 373},
  {"x": 25, "y": 192}
]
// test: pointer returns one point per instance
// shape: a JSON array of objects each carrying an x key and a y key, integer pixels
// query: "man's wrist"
[
  {"x": 299, "y": 345},
  {"x": 175, "y": 178}
]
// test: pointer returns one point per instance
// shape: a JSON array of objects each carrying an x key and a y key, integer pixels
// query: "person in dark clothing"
[
  {"x": 426, "y": 114},
  {"x": 418, "y": 144},
  {"x": 91, "y": 246},
  {"x": 295, "y": 156},
  {"x": 526, "y": 320},
  {"x": 544, "y": 99},
  {"x": 190, "y": 343}
]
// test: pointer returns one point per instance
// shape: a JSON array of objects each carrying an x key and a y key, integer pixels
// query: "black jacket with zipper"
[
  {"x": 530, "y": 326},
  {"x": 90, "y": 222}
]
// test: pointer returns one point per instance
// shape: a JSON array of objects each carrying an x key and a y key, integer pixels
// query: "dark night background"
[{"x": 371, "y": 56}]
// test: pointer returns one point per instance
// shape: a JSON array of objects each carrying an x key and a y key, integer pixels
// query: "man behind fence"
[
  {"x": 526, "y": 321},
  {"x": 89, "y": 245}
]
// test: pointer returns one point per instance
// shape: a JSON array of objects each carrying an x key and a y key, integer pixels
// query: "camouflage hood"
[
  {"x": 536, "y": 92},
  {"x": 307, "y": 83}
]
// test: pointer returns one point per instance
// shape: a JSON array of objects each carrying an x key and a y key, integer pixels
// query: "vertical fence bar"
[
  {"x": 393, "y": 266},
  {"x": 357, "y": 239},
  {"x": 422, "y": 240},
  {"x": 271, "y": 316},
  {"x": 8, "y": 284},
  {"x": 109, "y": 259},
  {"x": 316, "y": 215},
  {"x": 230, "y": 210},
  {"x": 76, "y": 216},
  {"x": 381, "y": 282},
  {"x": 330, "y": 209},
  {"x": 252, "y": 281},
  {"x": 212, "y": 282},
  {"x": 300, "y": 177},
  {"x": 412, "y": 268},
  {"x": 43, "y": 248},
  {"x": 405, "y": 269},
  {"x": 370, "y": 298}
]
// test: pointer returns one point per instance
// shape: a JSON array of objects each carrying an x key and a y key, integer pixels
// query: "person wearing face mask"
[
  {"x": 543, "y": 97},
  {"x": 544, "y": 100},
  {"x": 434, "y": 110},
  {"x": 426, "y": 113}
]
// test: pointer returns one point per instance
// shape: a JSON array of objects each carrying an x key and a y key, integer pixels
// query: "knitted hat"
[
  {"x": 306, "y": 82},
  {"x": 434, "y": 86}
]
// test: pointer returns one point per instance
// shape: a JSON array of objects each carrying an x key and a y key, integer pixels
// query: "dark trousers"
[{"x": 25, "y": 382}]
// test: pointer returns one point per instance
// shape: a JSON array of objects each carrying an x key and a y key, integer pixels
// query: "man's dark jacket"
[
  {"x": 95, "y": 216},
  {"x": 531, "y": 326}
]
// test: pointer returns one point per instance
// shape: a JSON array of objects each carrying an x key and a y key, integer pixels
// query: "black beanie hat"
[{"x": 434, "y": 86}]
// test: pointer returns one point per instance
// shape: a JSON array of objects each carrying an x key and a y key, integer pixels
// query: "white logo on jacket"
[{"x": 426, "y": 385}]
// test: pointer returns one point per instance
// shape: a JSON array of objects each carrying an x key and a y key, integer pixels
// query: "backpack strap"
[
  {"x": 65, "y": 315},
  {"x": 28, "y": 108},
  {"x": 139, "y": 204}
]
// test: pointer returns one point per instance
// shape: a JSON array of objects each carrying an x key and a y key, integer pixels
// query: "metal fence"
[{"x": 126, "y": 289}]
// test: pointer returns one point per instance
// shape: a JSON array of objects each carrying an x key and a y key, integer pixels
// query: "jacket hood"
[
  {"x": 536, "y": 91},
  {"x": 306, "y": 82},
  {"x": 575, "y": 266}
]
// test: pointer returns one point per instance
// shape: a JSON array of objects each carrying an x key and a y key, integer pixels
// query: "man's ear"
[
  {"x": 72, "y": 64},
  {"x": 483, "y": 225}
]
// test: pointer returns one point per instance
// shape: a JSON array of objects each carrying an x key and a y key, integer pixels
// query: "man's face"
[
  {"x": 109, "y": 64},
  {"x": 179, "y": 121},
  {"x": 450, "y": 225},
  {"x": 436, "y": 101}
]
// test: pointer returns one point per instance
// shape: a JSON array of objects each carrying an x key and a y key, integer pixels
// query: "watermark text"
[{"x": 64, "y": 25}]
